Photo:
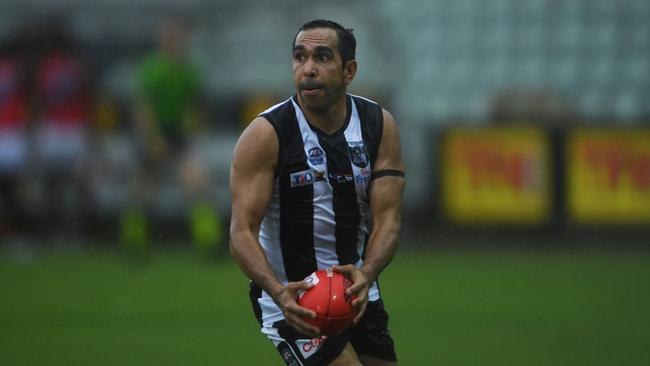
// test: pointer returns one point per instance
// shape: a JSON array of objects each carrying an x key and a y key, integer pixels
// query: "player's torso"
[{"x": 319, "y": 209}]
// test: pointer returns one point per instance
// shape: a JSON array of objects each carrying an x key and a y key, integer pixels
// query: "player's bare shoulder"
[
  {"x": 257, "y": 147},
  {"x": 391, "y": 129},
  {"x": 389, "y": 155}
]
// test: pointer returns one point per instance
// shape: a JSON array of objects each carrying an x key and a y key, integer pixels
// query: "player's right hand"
[
  {"x": 294, "y": 314},
  {"x": 358, "y": 290}
]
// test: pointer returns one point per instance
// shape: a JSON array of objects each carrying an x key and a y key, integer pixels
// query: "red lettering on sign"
[
  {"x": 618, "y": 158},
  {"x": 491, "y": 165}
]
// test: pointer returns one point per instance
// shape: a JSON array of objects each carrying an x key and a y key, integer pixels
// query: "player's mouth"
[
  {"x": 311, "y": 88},
  {"x": 311, "y": 92}
]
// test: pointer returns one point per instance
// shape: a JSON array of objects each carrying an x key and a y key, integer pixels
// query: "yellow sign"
[
  {"x": 608, "y": 175},
  {"x": 496, "y": 175}
]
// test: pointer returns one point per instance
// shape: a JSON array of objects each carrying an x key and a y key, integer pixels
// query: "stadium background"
[{"x": 526, "y": 135}]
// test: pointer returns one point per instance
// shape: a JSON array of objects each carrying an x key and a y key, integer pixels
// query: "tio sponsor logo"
[{"x": 301, "y": 178}]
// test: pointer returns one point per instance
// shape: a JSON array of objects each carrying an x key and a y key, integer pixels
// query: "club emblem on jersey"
[
  {"x": 358, "y": 153},
  {"x": 316, "y": 156}
]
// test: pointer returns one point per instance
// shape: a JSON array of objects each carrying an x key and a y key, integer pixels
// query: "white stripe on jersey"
[
  {"x": 361, "y": 175},
  {"x": 269, "y": 238},
  {"x": 364, "y": 98},
  {"x": 274, "y": 107}
]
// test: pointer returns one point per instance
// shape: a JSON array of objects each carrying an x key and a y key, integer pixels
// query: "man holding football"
[{"x": 308, "y": 177}]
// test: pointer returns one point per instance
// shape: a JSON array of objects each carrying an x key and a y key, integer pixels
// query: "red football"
[{"x": 327, "y": 298}]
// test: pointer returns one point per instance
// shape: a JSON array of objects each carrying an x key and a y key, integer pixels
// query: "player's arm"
[
  {"x": 386, "y": 190},
  {"x": 251, "y": 184}
]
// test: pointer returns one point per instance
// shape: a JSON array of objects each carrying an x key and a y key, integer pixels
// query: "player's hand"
[
  {"x": 294, "y": 314},
  {"x": 359, "y": 288}
]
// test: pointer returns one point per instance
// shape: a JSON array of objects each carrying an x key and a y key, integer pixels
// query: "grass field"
[{"x": 500, "y": 307}]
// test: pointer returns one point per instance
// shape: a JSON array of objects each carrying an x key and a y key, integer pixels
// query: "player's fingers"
[
  {"x": 296, "y": 287},
  {"x": 302, "y": 326},
  {"x": 356, "y": 288},
  {"x": 346, "y": 269},
  {"x": 300, "y": 311},
  {"x": 304, "y": 286},
  {"x": 360, "y": 313},
  {"x": 360, "y": 297},
  {"x": 360, "y": 300}
]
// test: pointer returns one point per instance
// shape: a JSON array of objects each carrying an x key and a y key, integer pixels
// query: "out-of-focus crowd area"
[
  {"x": 78, "y": 162},
  {"x": 118, "y": 119}
]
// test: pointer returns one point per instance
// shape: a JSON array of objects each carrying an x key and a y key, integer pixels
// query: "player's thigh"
[
  {"x": 372, "y": 361},
  {"x": 347, "y": 358}
]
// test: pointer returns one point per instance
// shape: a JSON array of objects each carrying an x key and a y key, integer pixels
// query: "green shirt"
[{"x": 170, "y": 88}]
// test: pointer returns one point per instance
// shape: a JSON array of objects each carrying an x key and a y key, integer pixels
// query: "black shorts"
[{"x": 370, "y": 338}]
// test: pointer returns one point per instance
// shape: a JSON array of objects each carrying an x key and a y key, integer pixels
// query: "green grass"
[{"x": 447, "y": 308}]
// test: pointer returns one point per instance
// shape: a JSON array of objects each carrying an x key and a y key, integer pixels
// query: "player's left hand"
[{"x": 359, "y": 289}]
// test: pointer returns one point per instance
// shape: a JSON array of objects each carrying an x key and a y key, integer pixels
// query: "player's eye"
[
  {"x": 299, "y": 57},
  {"x": 323, "y": 57}
]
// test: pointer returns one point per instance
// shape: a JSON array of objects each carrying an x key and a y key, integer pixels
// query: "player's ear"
[{"x": 349, "y": 71}]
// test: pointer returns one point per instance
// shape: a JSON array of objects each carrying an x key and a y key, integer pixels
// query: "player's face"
[{"x": 318, "y": 73}]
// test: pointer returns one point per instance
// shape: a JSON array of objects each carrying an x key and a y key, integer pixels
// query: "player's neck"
[{"x": 331, "y": 119}]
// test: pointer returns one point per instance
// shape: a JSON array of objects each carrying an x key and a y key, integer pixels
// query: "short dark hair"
[{"x": 347, "y": 42}]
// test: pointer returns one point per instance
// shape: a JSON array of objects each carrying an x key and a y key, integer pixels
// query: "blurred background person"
[
  {"x": 63, "y": 102},
  {"x": 167, "y": 117},
  {"x": 14, "y": 149}
]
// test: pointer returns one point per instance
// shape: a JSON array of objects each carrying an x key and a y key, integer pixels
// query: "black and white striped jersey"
[{"x": 319, "y": 210}]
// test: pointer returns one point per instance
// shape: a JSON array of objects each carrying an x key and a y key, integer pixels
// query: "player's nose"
[{"x": 309, "y": 68}]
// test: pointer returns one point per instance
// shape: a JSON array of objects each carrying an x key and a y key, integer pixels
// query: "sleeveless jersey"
[{"x": 319, "y": 209}]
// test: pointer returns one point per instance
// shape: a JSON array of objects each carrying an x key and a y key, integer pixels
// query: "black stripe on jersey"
[
  {"x": 290, "y": 355},
  {"x": 291, "y": 335},
  {"x": 255, "y": 293},
  {"x": 296, "y": 203},
  {"x": 297, "y": 228},
  {"x": 372, "y": 126},
  {"x": 344, "y": 202}
]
